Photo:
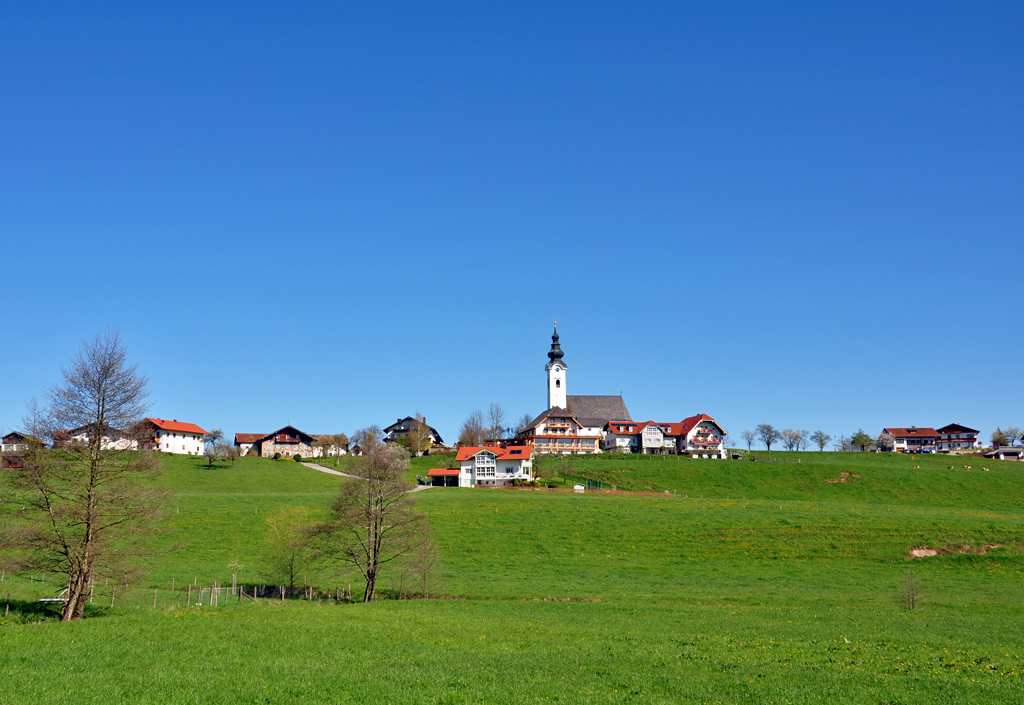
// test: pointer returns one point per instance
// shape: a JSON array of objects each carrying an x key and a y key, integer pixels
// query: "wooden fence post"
[
  {"x": 112, "y": 591},
  {"x": 189, "y": 602},
  {"x": 154, "y": 596}
]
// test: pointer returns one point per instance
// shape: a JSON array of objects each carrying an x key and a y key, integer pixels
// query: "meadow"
[{"x": 755, "y": 582}]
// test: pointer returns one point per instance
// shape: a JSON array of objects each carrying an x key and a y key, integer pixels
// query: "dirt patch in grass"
[
  {"x": 963, "y": 549},
  {"x": 843, "y": 477}
]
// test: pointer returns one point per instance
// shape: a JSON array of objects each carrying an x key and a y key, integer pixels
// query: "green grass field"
[{"x": 760, "y": 582}]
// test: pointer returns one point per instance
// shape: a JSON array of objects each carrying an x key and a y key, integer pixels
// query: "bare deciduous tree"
[
  {"x": 287, "y": 550},
  {"x": 911, "y": 591},
  {"x": 211, "y": 442},
  {"x": 768, "y": 434},
  {"x": 373, "y": 522},
  {"x": 419, "y": 434},
  {"x": 821, "y": 439},
  {"x": 87, "y": 505},
  {"x": 495, "y": 422},
  {"x": 473, "y": 430},
  {"x": 233, "y": 455},
  {"x": 1012, "y": 434},
  {"x": 369, "y": 439},
  {"x": 749, "y": 437},
  {"x": 524, "y": 424},
  {"x": 792, "y": 439}
]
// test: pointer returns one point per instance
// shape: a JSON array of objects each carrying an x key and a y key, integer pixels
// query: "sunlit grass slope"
[{"x": 782, "y": 592}]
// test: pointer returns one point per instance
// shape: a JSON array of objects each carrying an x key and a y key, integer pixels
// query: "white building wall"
[{"x": 181, "y": 443}]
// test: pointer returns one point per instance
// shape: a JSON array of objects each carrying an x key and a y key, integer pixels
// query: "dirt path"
[{"x": 321, "y": 468}]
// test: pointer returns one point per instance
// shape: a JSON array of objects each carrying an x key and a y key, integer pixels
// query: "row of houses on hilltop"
[
  {"x": 930, "y": 440},
  {"x": 594, "y": 423}
]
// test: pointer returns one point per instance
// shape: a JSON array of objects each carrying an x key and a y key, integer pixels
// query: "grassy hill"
[{"x": 775, "y": 586}]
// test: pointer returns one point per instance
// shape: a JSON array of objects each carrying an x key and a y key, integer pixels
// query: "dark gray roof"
[{"x": 597, "y": 410}]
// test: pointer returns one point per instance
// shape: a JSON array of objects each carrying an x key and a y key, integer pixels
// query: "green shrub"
[
  {"x": 298, "y": 458},
  {"x": 277, "y": 456}
]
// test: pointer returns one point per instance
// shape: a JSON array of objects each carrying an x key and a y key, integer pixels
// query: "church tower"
[{"x": 556, "y": 373}]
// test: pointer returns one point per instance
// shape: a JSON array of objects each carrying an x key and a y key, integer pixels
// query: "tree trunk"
[{"x": 371, "y": 587}]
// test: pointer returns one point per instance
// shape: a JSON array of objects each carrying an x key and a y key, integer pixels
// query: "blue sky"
[{"x": 329, "y": 216}]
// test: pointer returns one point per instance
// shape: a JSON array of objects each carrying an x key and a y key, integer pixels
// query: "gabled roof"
[
  {"x": 597, "y": 410},
  {"x": 248, "y": 437},
  {"x": 613, "y": 426},
  {"x": 16, "y": 436},
  {"x": 1005, "y": 450},
  {"x": 508, "y": 453},
  {"x": 443, "y": 472},
  {"x": 912, "y": 432},
  {"x": 412, "y": 419},
  {"x": 689, "y": 423},
  {"x": 556, "y": 412},
  {"x": 288, "y": 431},
  {"x": 176, "y": 426},
  {"x": 957, "y": 428}
]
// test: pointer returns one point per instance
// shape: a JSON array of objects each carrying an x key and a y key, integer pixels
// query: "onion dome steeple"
[{"x": 555, "y": 354}]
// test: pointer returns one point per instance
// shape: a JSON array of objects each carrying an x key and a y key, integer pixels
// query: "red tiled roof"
[
  {"x": 248, "y": 437},
  {"x": 912, "y": 432},
  {"x": 689, "y": 423},
  {"x": 442, "y": 472},
  {"x": 522, "y": 452},
  {"x": 177, "y": 426}
]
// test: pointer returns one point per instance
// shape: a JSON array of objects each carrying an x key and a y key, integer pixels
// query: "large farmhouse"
[
  {"x": 167, "y": 436},
  {"x": 486, "y": 465},
  {"x": 401, "y": 429},
  {"x": 698, "y": 434},
  {"x": 954, "y": 437}
]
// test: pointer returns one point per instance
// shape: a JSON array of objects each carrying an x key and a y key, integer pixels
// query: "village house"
[
  {"x": 954, "y": 437},
  {"x": 699, "y": 434},
  {"x": 16, "y": 442},
  {"x": 168, "y": 436},
  {"x": 288, "y": 441},
  {"x": 558, "y": 431},
  {"x": 913, "y": 439},
  {"x": 110, "y": 439},
  {"x": 486, "y": 466},
  {"x": 402, "y": 427}
]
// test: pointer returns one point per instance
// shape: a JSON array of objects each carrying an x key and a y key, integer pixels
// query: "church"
[{"x": 572, "y": 423}]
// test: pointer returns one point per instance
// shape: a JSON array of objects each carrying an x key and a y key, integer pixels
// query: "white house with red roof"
[
  {"x": 698, "y": 434},
  {"x": 913, "y": 439},
  {"x": 170, "y": 436},
  {"x": 487, "y": 466}
]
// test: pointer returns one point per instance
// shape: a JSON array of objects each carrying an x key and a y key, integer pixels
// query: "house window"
[{"x": 558, "y": 383}]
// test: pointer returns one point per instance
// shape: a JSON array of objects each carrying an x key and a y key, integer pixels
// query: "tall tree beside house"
[
  {"x": 89, "y": 506},
  {"x": 495, "y": 422},
  {"x": 373, "y": 522},
  {"x": 886, "y": 441},
  {"x": 473, "y": 430},
  {"x": 749, "y": 438},
  {"x": 768, "y": 435},
  {"x": 212, "y": 442},
  {"x": 1012, "y": 434},
  {"x": 821, "y": 439},
  {"x": 419, "y": 434},
  {"x": 340, "y": 441},
  {"x": 862, "y": 440},
  {"x": 369, "y": 438},
  {"x": 999, "y": 438}
]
